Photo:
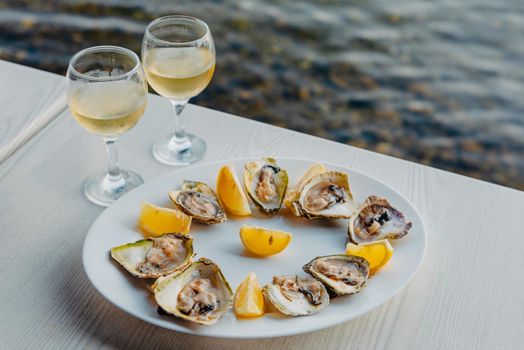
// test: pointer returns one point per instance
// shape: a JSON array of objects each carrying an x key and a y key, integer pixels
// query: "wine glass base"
[
  {"x": 97, "y": 190},
  {"x": 164, "y": 153}
]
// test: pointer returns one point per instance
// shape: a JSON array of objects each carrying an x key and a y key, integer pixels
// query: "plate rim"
[{"x": 281, "y": 332}]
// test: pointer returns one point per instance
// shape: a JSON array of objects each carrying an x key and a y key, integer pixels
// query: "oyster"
[
  {"x": 376, "y": 219},
  {"x": 198, "y": 200},
  {"x": 200, "y": 293},
  {"x": 156, "y": 256},
  {"x": 293, "y": 194},
  {"x": 325, "y": 195},
  {"x": 341, "y": 274},
  {"x": 296, "y": 295},
  {"x": 266, "y": 184}
]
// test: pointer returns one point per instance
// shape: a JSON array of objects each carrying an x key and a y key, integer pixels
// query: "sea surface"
[{"x": 438, "y": 82}]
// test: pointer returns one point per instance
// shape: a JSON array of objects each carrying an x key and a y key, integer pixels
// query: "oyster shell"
[
  {"x": 341, "y": 274},
  {"x": 200, "y": 293},
  {"x": 376, "y": 219},
  {"x": 155, "y": 257},
  {"x": 325, "y": 195},
  {"x": 198, "y": 200},
  {"x": 266, "y": 184},
  {"x": 296, "y": 295},
  {"x": 293, "y": 194}
]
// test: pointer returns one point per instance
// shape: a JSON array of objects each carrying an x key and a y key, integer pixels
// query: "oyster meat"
[
  {"x": 198, "y": 200},
  {"x": 156, "y": 256},
  {"x": 200, "y": 293},
  {"x": 376, "y": 219},
  {"x": 325, "y": 195},
  {"x": 296, "y": 295},
  {"x": 341, "y": 274},
  {"x": 293, "y": 194},
  {"x": 266, "y": 184}
]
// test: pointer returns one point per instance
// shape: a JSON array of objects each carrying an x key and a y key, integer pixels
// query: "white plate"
[{"x": 221, "y": 243}]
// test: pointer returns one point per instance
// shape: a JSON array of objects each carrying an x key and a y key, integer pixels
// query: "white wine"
[
  {"x": 179, "y": 73},
  {"x": 108, "y": 108}
]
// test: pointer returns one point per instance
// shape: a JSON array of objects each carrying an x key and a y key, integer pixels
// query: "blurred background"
[{"x": 438, "y": 82}]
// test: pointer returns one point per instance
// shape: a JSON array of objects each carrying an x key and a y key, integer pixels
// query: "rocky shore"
[{"x": 439, "y": 83}]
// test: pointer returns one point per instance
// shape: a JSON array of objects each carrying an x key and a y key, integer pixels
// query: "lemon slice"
[
  {"x": 155, "y": 221},
  {"x": 264, "y": 242},
  {"x": 230, "y": 193},
  {"x": 377, "y": 253},
  {"x": 315, "y": 169},
  {"x": 248, "y": 300}
]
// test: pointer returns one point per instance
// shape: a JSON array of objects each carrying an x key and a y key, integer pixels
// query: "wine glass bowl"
[
  {"x": 178, "y": 54},
  {"x": 107, "y": 94}
]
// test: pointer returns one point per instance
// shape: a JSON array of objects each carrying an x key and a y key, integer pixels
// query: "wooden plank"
[
  {"x": 31, "y": 99},
  {"x": 468, "y": 293}
]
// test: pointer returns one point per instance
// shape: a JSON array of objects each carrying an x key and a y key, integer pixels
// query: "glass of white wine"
[
  {"x": 178, "y": 54},
  {"x": 107, "y": 93}
]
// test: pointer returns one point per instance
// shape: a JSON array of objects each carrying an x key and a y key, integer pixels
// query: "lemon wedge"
[
  {"x": 377, "y": 253},
  {"x": 264, "y": 242},
  {"x": 248, "y": 300},
  {"x": 230, "y": 193},
  {"x": 155, "y": 221},
  {"x": 314, "y": 170}
]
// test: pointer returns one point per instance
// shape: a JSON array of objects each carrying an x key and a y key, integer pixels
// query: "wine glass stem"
[
  {"x": 114, "y": 178},
  {"x": 179, "y": 141}
]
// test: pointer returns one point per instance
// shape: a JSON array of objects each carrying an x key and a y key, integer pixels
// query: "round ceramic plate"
[{"x": 221, "y": 243}]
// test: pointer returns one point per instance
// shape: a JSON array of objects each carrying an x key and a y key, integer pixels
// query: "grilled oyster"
[
  {"x": 200, "y": 293},
  {"x": 376, "y": 219},
  {"x": 341, "y": 274},
  {"x": 198, "y": 200},
  {"x": 325, "y": 195},
  {"x": 156, "y": 256},
  {"x": 266, "y": 184},
  {"x": 296, "y": 295}
]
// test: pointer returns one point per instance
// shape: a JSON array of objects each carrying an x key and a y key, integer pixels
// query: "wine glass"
[
  {"x": 178, "y": 54},
  {"x": 107, "y": 94}
]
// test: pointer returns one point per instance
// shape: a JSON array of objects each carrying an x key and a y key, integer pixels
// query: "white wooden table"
[{"x": 469, "y": 293}]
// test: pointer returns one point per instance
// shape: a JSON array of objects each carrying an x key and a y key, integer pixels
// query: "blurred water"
[{"x": 438, "y": 82}]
